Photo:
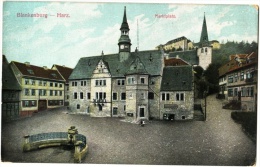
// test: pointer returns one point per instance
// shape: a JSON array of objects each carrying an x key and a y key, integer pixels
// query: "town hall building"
[{"x": 134, "y": 85}]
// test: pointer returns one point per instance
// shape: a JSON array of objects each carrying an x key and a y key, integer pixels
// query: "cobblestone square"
[{"x": 217, "y": 141}]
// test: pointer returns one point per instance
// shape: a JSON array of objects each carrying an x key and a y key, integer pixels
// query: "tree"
[{"x": 199, "y": 71}]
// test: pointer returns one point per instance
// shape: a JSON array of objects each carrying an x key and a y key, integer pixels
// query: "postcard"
[{"x": 129, "y": 83}]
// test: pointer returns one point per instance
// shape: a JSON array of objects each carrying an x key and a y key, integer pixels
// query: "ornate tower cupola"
[
  {"x": 124, "y": 41},
  {"x": 204, "y": 39}
]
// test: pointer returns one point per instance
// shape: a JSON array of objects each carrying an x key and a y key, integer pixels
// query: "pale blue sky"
[{"x": 93, "y": 27}]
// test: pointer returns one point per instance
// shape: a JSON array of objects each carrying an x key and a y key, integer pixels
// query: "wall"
[{"x": 178, "y": 108}]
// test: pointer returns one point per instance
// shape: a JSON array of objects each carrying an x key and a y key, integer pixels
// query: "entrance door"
[
  {"x": 115, "y": 110},
  {"x": 141, "y": 111},
  {"x": 42, "y": 105}
]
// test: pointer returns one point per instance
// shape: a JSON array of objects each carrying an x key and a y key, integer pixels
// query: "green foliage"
[
  {"x": 221, "y": 56},
  {"x": 199, "y": 71}
]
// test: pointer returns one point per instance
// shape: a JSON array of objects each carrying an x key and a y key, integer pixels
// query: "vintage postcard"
[{"x": 129, "y": 83}]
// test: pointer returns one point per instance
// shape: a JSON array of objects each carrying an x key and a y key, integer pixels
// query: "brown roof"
[
  {"x": 241, "y": 56},
  {"x": 234, "y": 64},
  {"x": 37, "y": 72},
  {"x": 251, "y": 59},
  {"x": 64, "y": 71},
  {"x": 174, "y": 62}
]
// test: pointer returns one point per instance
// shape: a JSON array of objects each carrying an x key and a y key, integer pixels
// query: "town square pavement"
[{"x": 216, "y": 141}]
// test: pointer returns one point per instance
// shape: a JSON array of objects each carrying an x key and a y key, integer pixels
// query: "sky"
[{"x": 94, "y": 27}]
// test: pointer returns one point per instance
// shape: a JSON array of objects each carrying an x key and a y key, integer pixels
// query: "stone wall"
[{"x": 180, "y": 110}]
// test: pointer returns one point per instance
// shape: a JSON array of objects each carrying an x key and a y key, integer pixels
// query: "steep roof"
[
  {"x": 204, "y": 39},
  {"x": 152, "y": 61},
  {"x": 177, "y": 78},
  {"x": 37, "y": 72},
  {"x": 64, "y": 71},
  {"x": 189, "y": 56},
  {"x": 9, "y": 81}
]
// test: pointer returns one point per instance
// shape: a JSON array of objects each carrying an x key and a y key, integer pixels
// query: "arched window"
[{"x": 202, "y": 50}]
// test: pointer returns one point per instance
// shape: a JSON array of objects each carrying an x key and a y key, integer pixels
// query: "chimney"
[
  {"x": 45, "y": 67},
  {"x": 27, "y": 63}
]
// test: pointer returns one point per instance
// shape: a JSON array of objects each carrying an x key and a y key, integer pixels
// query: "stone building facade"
[
  {"x": 177, "y": 93},
  {"x": 127, "y": 84}
]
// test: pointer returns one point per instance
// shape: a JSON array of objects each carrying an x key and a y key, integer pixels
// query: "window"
[
  {"x": 30, "y": 71},
  {"x": 131, "y": 80},
  {"x": 114, "y": 96},
  {"x": 100, "y": 95},
  {"x": 120, "y": 82},
  {"x": 81, "y": 95},
  {"x": 142, "y": 80},
  {"x": 230, "y": 92},
  {"x": 26, "y": 103},
  {"x": 75, "y": 95},
  {"x": 230, "y": 79},
  {"x": 40, "y": 83},
  {"x": 51, "y": 84},
  {"x": 51, "y": 92},
  {"x": 250, "y": 91},
  {"x": 44, "y": 83},
  {"x": 165, "y": 96},
  {"x": 236, "y": 77},
  {"x": 33, "y": 82},
  {"x": 202, "y": 50},
  {"x": 60, "y": 93},
  {"x": 235, "y": 92},
  {"x": 26, "y": 92},
  {"x": 74, "y": 83},
  {"x": 242, "y": 76},
  {"x": 150, "y": 95},
  {"x": 68, "y": 96},
  {"x": 88, "y": 94},
  {"x": 123, "y": 96},
  {"x": 56, "y": 93},
  {"x": 78, "y": 106},
  {"x": 56, "y": 84},
  {"x": 100, "y": 83},
  {"x": 248, "y": 75},
  {"x": 33, "y": 103},
  {"x": 179, "y": 96},
  {"x": 44, "y": 92},
  {"x": 83, "y": 83},
  {"x": 33, "y": 92},
  {"x": 243, "y": 91},
  {"x": 60, "y": 85}
]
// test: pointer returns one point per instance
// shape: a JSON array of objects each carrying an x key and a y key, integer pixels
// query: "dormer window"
[
  {"x": 30, "y": 71},
  {"x": 54, "y": 75}
]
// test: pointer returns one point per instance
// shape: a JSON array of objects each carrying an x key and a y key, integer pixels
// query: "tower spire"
[
  {"x": 124, "y": 41},
  {"x": 204, "y": 39},
  {"x": 124, "y": 24}
]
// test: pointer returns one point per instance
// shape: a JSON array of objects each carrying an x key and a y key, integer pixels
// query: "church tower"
[
  {"x": 204, "y": 51},
  {"x": 124, "y": 41}
]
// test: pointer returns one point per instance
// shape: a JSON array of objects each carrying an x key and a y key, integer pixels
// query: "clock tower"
[{"x": 124, "y": 41}]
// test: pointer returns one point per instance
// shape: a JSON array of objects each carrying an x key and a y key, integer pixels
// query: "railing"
[{"x": 70, "y": 138}]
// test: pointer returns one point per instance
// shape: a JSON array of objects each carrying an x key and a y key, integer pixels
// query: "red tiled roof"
[
  {"x": 174, "y": 62},
  {"x": 64, "y": 71},
  {"x": 37, "y": 72},
  {"x": 238, "y": 55},
  {"x": 252, "y": 57}
]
